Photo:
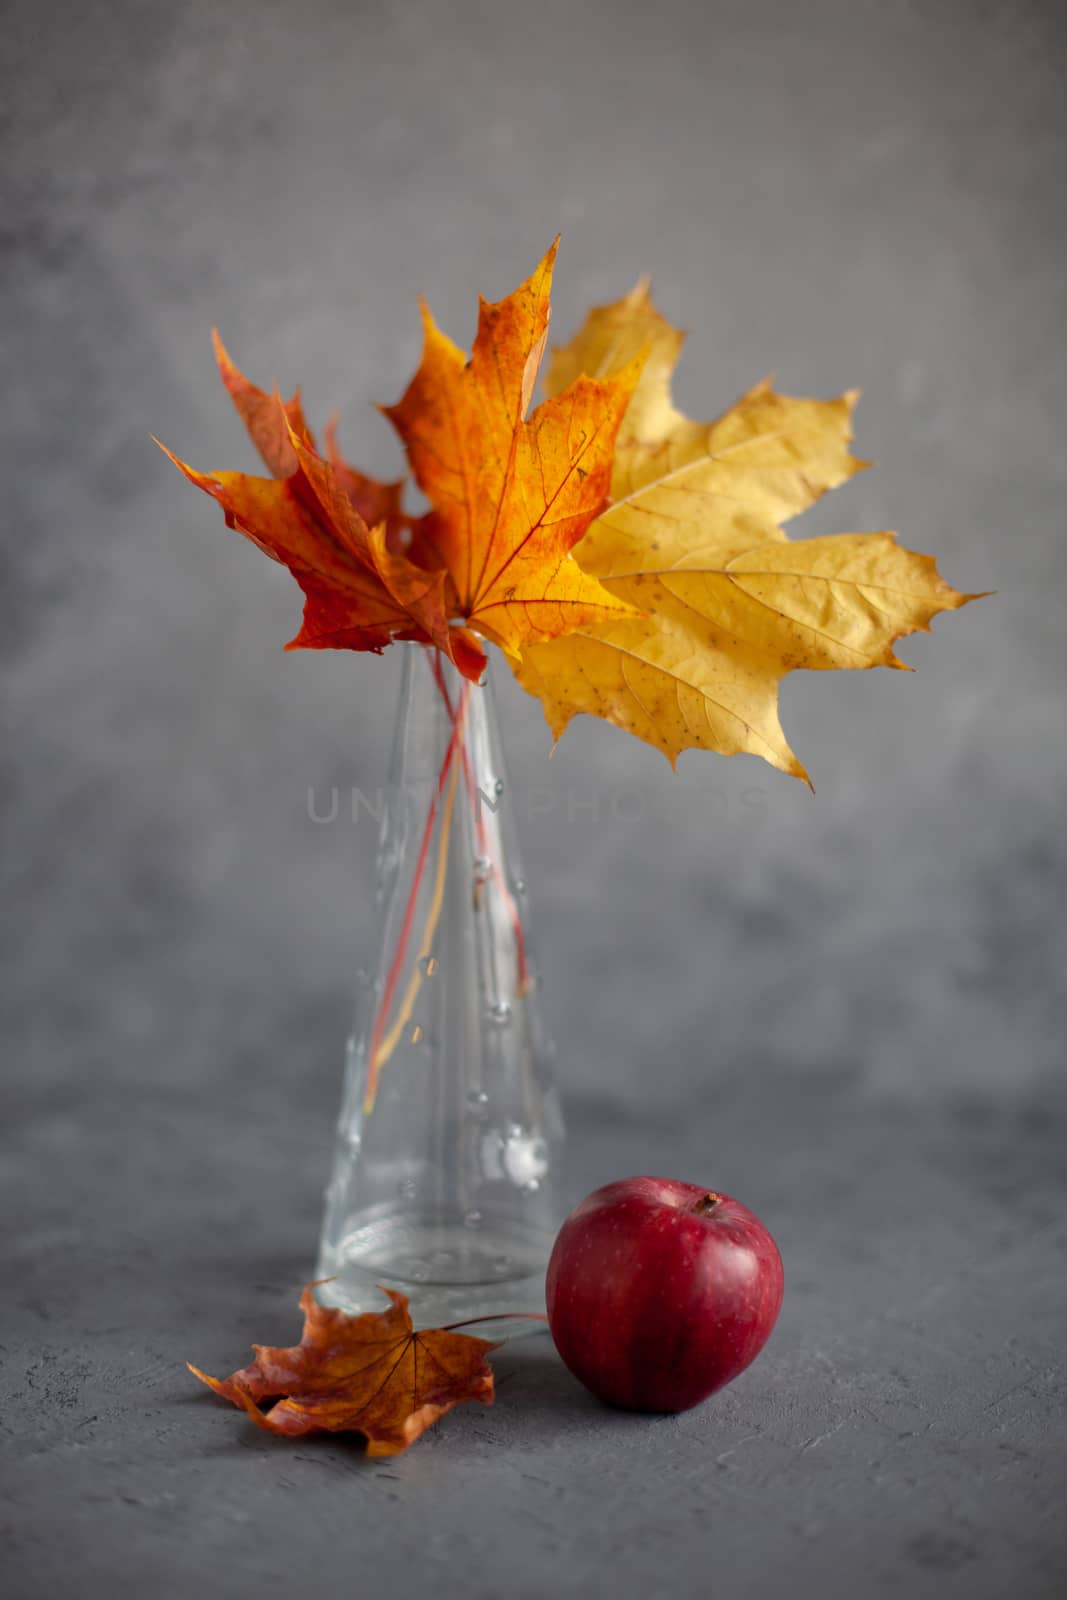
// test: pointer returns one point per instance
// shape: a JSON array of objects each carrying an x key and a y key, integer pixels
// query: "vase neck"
[{"x": 439, "y": 709}]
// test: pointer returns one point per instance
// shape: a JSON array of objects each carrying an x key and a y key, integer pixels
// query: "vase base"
[{"x": 449, "y": 1270}]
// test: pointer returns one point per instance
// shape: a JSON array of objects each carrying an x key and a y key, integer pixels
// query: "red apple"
[{"x": 661, "y": 1292}]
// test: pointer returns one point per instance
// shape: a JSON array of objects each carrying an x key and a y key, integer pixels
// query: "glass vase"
[{"x": 446, "y": 1180}]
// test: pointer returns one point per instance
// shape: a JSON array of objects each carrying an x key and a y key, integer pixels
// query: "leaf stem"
[
  {"x": 393, "y": 976},
  {"x": 382, "y": 1043},
  {"x": 482, "y": 834},
  {"x": 407, "y": 1005},
  {"x": 497, "y": 1316}
]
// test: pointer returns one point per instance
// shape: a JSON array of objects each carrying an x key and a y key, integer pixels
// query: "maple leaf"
[
  {"x": 267, "y": 417},
  {"x": 371, "y": 1374},
  {"x": 511, "y": 495},
  {"x": 375, "y": 501},
  {"x": 361, "y": 592},
  {"x": 693, "y": 538}
]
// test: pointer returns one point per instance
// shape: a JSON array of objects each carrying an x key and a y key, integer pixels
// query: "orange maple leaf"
[
  {"x": 511, "y": 496},
  {"x": 267, "y": 417},
  {"x": 361, "y": 591},
  {"x": 375, "y": 501},
  {"x": 371, "y": 1374}
]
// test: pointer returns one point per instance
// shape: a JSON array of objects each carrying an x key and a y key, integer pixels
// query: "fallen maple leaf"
[
  {"x": 371, "y": 1374},
  {"x": 511, "y": 496},
  {"x": 693, "y": 539},
  {"x": 361, "y": 591}
]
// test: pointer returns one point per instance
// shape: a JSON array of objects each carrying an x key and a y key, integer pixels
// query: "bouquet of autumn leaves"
[{"x": 628, "y": 562}]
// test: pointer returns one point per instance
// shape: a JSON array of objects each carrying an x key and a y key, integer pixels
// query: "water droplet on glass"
[
  {"x": 478, "y": 1104},
  {"x": 428, "y": 966},
  {"x": 520, "y": 885},
  {"x": 524, "y": 1158},
  {"x": 418, "y": 1271},
  {"x": 500, "y": 1013},
  {"x": 482, "y": 867},
  {"x": 498, "y": 787},
  {"x": 407, "y": 1188},
  {"x": 501, "y": 1266},
  {"x": 473, "y": 1219}
]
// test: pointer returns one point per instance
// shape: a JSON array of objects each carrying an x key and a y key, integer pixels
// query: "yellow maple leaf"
[{"x": 693, "y": 539}]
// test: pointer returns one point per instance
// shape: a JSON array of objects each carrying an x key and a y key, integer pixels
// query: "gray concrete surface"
[
  {"x": 849, "y": 1009},
  {"x": 902, "y": 1433}
]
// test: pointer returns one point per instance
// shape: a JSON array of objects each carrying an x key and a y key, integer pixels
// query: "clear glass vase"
[{"x": 446, "y": 1180}]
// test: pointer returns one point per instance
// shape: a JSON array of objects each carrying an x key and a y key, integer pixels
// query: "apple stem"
[{"x": 707, "y": 1203}]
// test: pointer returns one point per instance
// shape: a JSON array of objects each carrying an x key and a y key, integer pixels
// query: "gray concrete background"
[{"x": 849, "y": 1009}]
